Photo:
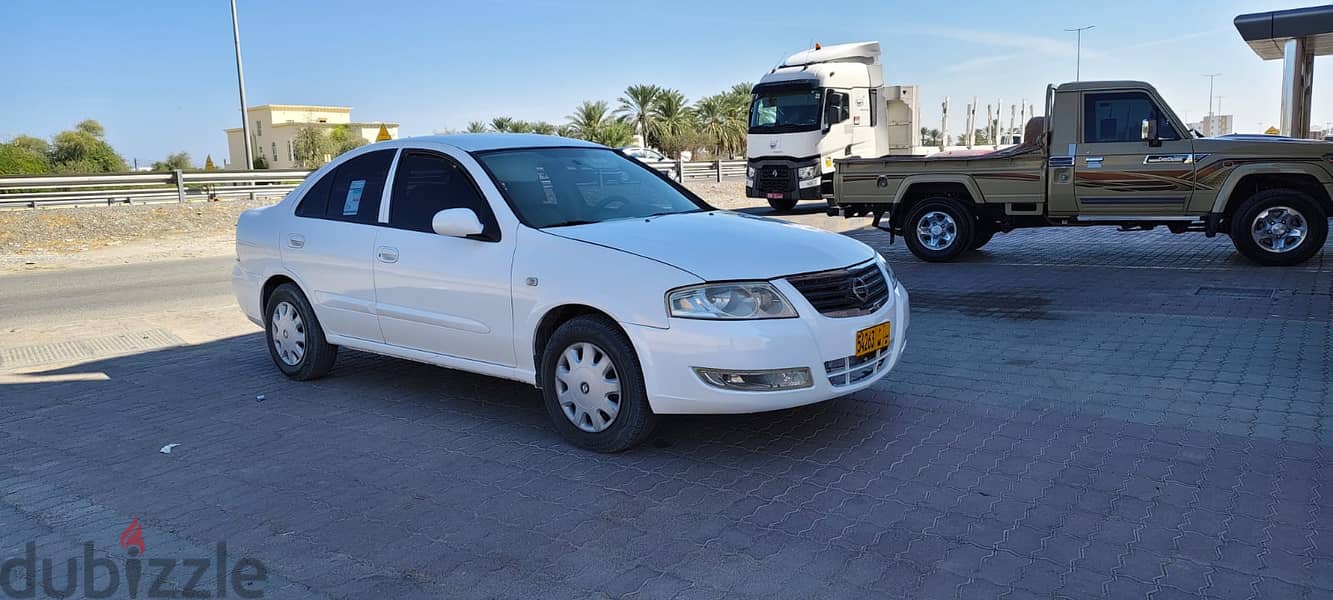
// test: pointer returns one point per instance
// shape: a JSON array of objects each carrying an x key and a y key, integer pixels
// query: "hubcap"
[
  {"x": 288, "y": 333},
  {"x": 936, "y": 230},
  {"x": 1279, "y": 229},
  {"x": 587, "y": 387}
]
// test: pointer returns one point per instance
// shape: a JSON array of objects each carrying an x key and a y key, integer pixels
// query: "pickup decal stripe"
[{"x": 1133, "y": 200}]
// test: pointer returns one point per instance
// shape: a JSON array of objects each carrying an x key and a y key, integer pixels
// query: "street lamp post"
[
  {"x": 240, "y": 82},
  {"x": 1078, "y": 50}
]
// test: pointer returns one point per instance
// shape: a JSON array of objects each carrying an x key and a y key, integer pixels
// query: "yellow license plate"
[{"x": 872, "y": 339}]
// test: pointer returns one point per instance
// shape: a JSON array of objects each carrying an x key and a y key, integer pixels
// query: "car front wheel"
[{"x": 593, "y": 386}]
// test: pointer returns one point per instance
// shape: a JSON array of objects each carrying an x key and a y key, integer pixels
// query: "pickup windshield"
[
  {"x": 556, "y": 187},
  {"x": 785, "y": 110}
]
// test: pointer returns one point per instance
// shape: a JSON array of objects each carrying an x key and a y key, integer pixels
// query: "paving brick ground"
[{"x": 1078, "y": 415}]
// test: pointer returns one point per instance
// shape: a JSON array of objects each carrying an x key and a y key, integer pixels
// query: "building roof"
[
  {"x": 305, "y": 123},
  {"x": 1266, "y": 32},
  {"x": 309, "y": 107}
]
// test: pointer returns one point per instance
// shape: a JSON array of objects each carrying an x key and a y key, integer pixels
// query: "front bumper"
[{"x": 668, "y": 356}]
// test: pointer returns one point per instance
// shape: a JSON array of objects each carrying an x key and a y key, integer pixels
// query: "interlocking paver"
[{"x": 1075, "y": 416}]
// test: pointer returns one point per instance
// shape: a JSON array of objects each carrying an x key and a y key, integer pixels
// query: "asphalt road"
[{"x": 114, "y": 291}]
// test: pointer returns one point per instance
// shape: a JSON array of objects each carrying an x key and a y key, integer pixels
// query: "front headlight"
[
  {"x": 887, "y": 269},
  {"x": 807, "y": 172},
  {"x": 749, "y": 172},
  {"x": 740, "y": 300}
]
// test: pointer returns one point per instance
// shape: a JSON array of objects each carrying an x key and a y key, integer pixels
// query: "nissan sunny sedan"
[{"x": 568, "y": 266}]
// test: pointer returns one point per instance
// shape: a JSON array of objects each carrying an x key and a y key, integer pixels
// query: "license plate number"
[
  {"x": 873, "y": 339},
  {"x": 775, "y": 196}
]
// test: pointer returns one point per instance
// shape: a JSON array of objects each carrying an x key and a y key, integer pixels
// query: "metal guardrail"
[{"x": 37, "y": 191}]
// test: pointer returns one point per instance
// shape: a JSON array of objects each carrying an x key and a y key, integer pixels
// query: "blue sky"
[{"x": 160, "y": 75}]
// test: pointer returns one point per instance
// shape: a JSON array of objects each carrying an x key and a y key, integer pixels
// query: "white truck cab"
[{"x": 820, "y": 104}]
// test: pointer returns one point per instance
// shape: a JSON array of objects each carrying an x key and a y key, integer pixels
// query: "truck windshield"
[
  {"x": 786, "y": 110},
  {"x": 555, "y": 187}
]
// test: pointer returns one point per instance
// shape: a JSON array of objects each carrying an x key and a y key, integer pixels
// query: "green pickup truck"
[{"x": 1107, "y": 153}]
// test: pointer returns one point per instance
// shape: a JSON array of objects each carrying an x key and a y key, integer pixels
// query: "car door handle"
[
  {"x": 386, "y": 254},
  {"x": 296, "y": 240}
]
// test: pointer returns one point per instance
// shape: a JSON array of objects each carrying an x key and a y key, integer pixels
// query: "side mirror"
[
  {"x": 1148, "y": 130},
  {"x": 456, "y": 222}
]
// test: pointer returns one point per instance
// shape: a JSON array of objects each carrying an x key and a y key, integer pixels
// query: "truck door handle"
[
  {"x": 1093, "y": 161},
  {"x": 296, "y": 240},
  {"x": 386, "y": 254}
]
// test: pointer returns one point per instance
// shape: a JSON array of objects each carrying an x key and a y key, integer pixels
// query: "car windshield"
[
  {"x": 553, "y": 187},
  {"x": 784, "y": 110}
]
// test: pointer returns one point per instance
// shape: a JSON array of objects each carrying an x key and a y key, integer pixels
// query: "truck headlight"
[
  {"x": 749, "y": 172},
  {"x": 729, "y": 301},
  {"x": 807, "y": 172}
]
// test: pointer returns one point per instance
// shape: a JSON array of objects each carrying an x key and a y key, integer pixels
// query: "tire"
[
  {"x": 1283, "y": 210},
  {"x": 288, "y": 316},
  {"x": 577, "y": 349},
  {"x": 955, "y": 234},
  {"x": 983, "y": 234},
  {"x": 782, "y": 205}
]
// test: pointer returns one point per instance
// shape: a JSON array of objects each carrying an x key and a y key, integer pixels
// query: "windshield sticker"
[{"x": 353, "y": 201}]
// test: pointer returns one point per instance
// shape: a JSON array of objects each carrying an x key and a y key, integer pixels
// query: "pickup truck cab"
[{"x": 1107, "y": 153}]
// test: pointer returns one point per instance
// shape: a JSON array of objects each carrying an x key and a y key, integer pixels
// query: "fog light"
[{"x": 756, "y": 381}]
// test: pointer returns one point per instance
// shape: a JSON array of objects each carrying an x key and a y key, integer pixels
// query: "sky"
[{"x": 161, "y": 75}]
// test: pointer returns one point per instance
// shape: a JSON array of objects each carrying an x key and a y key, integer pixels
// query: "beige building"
[
  {"x": 273, "y": 129},
  {"x": 1214, "y": 125}
]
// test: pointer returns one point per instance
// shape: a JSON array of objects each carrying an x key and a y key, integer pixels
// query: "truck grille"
[
  {"x": 774, "y": 178},
  {"x": 844, "y": 292}
]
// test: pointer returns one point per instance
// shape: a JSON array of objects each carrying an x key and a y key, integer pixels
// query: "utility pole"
[
  {"x": 240, "y": 83},
  {"x": 944, "y": 124},
  {"x": 971, "y": 122},
  {"x": 1078, "y": 50},
  {"x": 1210, "y": 77}
]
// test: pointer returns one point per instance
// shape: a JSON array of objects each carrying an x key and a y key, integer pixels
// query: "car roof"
[{"x": 479, "y": 142}]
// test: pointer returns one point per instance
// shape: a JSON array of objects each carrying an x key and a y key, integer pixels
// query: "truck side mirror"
[{"x": 1148, "y": 132}]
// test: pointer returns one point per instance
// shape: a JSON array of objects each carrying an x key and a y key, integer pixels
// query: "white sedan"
[{"x": 565, "y": 265}]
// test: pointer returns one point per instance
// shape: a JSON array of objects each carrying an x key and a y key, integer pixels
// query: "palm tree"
[
  {"x": 719, "y": 123},
  {"x": 519, "y": 126},
  {"x": 673, "y": 121},
  {"x": 477, "y": 127},
  {"x": 543, "y": 128},
  {"x": 502, "y": 124},
  {"x": 589, "y": 119},
  {"x": 637, "y": 106}
]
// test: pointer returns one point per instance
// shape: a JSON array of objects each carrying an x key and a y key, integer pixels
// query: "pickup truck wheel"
[
  {"x": 939, "y": 229},
  {"x": 782, "y": 205},
  {"x": 295, "y": 338},
  {"x": 1279, "y": 227},
  {"x": 593, "y": 386}
]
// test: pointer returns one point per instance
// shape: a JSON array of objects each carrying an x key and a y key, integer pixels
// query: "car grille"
[
  {"x": 854, "y": 369},
  {"x": 774, "y": 178},
  {"x": 844, "y": 292}
]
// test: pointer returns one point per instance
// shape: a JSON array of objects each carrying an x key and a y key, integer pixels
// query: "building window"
[
  {"x": 259, "y": 128},
  {"x": 323, "y": 120},
  {"x": 275, "y": 151},
  {"x": 291, "y": 152}
]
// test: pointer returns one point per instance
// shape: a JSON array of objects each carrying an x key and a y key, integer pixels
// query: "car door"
[
  {"x": 1116, "y": 172},
  {"x": 440, "y": 294},
  {"x": 328, "y": 244}
]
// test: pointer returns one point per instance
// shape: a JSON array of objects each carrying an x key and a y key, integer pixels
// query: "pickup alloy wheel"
[
  {"x": 939, "y": 229},
  {"x": 1279, "y": 227}
]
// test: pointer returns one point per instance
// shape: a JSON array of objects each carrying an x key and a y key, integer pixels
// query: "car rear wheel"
[
  {"x": 939, "y": 229},
  {"x": 1279, "y": 227},
  {"x": 782, "y": 205},
  {"x": 593, "y": 387},
  {"x": 295, "y": 339}
]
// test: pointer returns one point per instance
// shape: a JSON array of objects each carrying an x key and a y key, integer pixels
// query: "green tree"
[
  {"x": 34, "y": 145},
  {"x": 616, "y": 133},
  {"x": 673, "y": 122},
  {"x": 342, "y": 139},
  {"x": 589, "y": 120},
  {"x": 82, "y": 150},
  {"x": 18, "y": 160},
  {"x": 502, "y": 124},
  {"x": 477, "y": 127},
  {"x": 720, "y": 124},
  {"x": 544, "y": 128},
  {"x": 637, "y": 106},
  {"x": 311, "y": 147},
  {"x": 177, "y": 161},
  {"x": 520, "y": 127}
]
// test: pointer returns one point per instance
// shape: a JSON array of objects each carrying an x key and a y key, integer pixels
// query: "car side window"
[
  {"x": 316, "y": 198},
  {"x": 1118, "y": 117},
  {"x": 357, "y": 187},
  {"x": 427, "y": 183}
]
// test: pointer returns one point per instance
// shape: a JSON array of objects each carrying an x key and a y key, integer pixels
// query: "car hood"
[{"x": 723, "y": 245}]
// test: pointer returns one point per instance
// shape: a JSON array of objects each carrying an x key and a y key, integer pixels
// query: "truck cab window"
[
  {"x": 838, "y": 108},
  {"x": 1118, "y": 117}
]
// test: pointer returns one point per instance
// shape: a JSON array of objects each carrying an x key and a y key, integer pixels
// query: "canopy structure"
[{"x": 1296, "y": 36}]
